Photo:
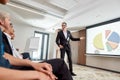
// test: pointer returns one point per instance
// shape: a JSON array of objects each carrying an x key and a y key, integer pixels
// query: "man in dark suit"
[
  {"x": 8, "y": 35},
  {"x": 62, "y": 40},
  {"x": 7, "y": 48}
]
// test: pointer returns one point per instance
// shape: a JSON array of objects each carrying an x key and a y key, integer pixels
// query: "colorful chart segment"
[
  {"x": 111, "y": 42},
  {"x": 98, "y": 43}
]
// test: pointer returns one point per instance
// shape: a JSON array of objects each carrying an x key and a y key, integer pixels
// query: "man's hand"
[
  {"x": 43, "y": 76},
  {"x": 45, "y": 68},
  {"x": 42, "y": 66},
  {"x": 82, "y": 38},
  {"x": 60, "y": 46}
]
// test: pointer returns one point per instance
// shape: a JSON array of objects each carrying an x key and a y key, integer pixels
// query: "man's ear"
[
  {"x": 1, "y": 22},
  {"x": 2, "y": 28}
]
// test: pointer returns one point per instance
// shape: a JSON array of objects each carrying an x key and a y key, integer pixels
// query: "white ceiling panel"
[
  {"x": 48, "y": 14},
  {"x": 65, "y": 4}
]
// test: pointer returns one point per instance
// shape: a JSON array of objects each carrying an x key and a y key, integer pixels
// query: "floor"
[{"x": 87, "y": 73}]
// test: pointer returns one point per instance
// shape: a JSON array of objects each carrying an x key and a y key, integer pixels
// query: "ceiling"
[{"x": 48, "y": 14}]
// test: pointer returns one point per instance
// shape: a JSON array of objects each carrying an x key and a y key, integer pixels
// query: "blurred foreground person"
[{"x": 4, "y": 1}]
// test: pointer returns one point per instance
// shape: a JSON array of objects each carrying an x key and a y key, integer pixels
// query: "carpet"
[{"x": 88, "y": 73}]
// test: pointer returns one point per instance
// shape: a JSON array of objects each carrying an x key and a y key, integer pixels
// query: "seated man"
[
  {"x": 9, "y": 74},
  {"x": 8, "y": 34},
  {"x": 47, "y": 70},
  {"x": 15, "y": 74}
]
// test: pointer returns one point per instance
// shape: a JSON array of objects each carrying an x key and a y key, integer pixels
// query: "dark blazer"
[
  {"x": 7, "y": 47},
  {"x": 61, "y": 40},
  {"x": 1, "y": 44}
]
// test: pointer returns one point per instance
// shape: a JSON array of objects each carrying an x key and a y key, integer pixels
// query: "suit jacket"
[
  {"x": 61, "y": 40},
  {"x": 7, "y": 47},
  {"x": 1, "y": 44}
]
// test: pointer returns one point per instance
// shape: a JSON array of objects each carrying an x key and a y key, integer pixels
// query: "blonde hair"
[{"x": 3, "y": 15}]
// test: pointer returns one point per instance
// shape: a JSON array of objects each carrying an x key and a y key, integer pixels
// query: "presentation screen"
[{"x": 104, "y": 38}]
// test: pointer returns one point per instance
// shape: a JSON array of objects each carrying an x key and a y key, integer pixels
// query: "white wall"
[
  {"x": 52, "y": 46},
  {"x": 74, "y": 47},
  {"x": 22, "y": 33},
  {"x": 105, "y": 62}
]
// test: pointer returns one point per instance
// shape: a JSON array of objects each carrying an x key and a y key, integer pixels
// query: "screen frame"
[{"x": 97, "y": 25}]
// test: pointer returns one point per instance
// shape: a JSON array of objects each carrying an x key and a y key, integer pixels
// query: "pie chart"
[{"x": 109, "y": 40}]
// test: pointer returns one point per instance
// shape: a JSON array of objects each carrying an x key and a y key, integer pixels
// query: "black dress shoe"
[{"x": 73, "y": 74}]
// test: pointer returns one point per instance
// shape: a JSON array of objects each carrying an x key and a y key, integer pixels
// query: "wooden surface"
[{"x": 82, "y": 48}]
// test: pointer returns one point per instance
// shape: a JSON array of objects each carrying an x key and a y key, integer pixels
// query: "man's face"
[
  {"x": 11, "y": 31},
  {"x": 5, "y": 23},
  {"x": 7, "y": 26},
  {"x": 64, "y": 26}
]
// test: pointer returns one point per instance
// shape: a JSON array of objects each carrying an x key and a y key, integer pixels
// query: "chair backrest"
[{"x": 26, "y": 55}]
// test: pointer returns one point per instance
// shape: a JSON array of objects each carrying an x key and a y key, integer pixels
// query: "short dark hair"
[{"x": 64, "y": 23}]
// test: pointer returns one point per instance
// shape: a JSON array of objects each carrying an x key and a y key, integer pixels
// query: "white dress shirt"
[
  {"x": 65, "y": 34},
  {"x": 15, "y": 52}
]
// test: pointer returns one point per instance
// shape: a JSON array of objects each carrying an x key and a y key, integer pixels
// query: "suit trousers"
[
  {"x": 59, "y": 69},
  {"x": 68, "y": 51}
]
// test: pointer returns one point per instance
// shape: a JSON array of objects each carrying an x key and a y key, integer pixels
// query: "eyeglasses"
[{"x": 64, "y": 25}]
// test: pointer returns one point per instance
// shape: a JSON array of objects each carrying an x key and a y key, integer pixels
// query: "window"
[{"x": 42, "y": 52}]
